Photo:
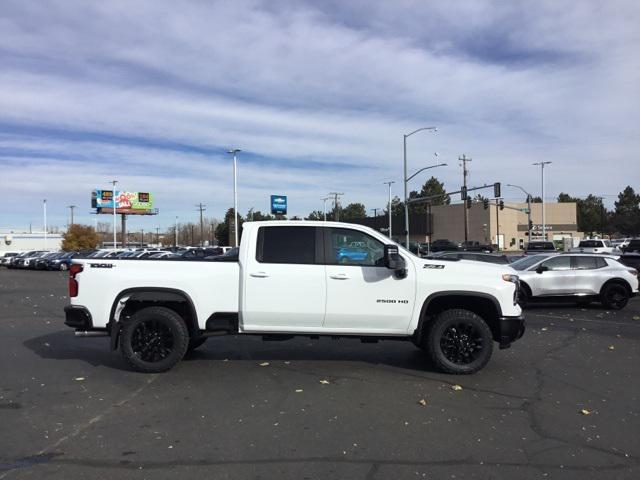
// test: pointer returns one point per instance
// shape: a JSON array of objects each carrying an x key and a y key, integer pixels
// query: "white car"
[
  {"x": 594, "y": 246},
  {"x": 291, "y": 278},
  {"x": 586, "y": 277}
]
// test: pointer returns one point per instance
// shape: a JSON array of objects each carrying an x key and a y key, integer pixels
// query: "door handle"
[
  {"x": 259, "y": 274},
  {"x": 339, "y": 276}
]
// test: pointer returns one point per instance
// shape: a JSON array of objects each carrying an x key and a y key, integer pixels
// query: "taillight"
[{"x": 74, "y": 269}]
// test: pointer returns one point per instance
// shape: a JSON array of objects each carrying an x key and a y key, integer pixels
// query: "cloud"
[{"x": 317, "y": 94}]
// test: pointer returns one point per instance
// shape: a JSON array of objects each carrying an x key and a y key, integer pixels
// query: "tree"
[
  {"x": 591, "y": 214},
  {"x": 316, "y": 215},
  {"x": 223, "y": 230},
  {"x": 431, "y": 188},
  {"x": 626, "y": 216},
  {"x": 566, "y": 198},
  {"x": 258, "y": 216},
  {"x": 536, "y": 199},
  {"x": 353, "y": 211},
  {"x": 79, "y": 237},
  {"x": 480, "y": 198}
]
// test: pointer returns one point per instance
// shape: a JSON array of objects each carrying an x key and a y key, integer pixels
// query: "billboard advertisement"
[
  {"x": 278, "y": 204},
  {"x": 125, "y": 202}
]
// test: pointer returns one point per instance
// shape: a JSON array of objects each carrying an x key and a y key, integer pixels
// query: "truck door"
[
  {"x": 362, "y": 294},
  {"x": 284, "y": 280}
]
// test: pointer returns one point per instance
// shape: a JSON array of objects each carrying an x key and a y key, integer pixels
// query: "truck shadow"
[
  {"x": 95, "y": 351},
  {"x": 63, "y": 345}
]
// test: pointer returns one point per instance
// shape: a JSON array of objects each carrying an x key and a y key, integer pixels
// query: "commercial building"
[
  {"x": 507, "y": 228},
  {"x": 12, "y": 240}
]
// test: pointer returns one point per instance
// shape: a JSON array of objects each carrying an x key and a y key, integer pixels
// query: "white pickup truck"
[{"x": 298, "y": 278}]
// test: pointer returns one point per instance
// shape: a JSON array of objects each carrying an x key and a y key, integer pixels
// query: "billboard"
[
  {"x": 278, "y": 204},
  {"x": 125, "y": 202}
]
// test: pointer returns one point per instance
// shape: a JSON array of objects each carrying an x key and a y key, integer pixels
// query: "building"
[
  {"x": 507, "y": 228},
  {"x": 16, "y": 240}
]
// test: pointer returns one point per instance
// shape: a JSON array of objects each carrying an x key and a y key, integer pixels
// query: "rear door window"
[
  {"x": 585, "y": 263},
  {"x": 287, "y": 245}
]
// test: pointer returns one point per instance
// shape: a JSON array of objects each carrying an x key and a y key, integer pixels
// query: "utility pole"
[
  {"x": 336, "y": 204},
  {"x": 375, "y": 212},
  {"x": 389, "y": 205},
  {"x": 141, "y": 238},
  {"x": 44, "y": 209},
  {"x": 201, "y": 208},
  {"x": 71, "y": 207},
  {"x": 158, "y": 236},
  {"x": 465, "y": 172},
  {"x": 176, "y": 233},
  {"x": 115, "y": 204},
  {"x": 544, "y": 225}
]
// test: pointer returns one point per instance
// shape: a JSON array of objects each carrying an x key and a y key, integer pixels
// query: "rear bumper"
[
  {"x": 510, "y": 330},
  {"x": 78, "y": 317}
]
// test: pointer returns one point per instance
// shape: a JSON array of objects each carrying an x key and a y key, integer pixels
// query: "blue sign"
[{"x": 278, "y": 204}]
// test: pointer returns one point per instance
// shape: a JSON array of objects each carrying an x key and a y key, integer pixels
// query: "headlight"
[{"x": 508, "y": 277}]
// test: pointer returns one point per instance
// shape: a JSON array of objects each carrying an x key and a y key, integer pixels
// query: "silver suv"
[{"x": 589, "y": 277}]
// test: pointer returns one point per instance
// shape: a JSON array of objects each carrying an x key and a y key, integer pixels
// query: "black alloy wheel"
[
  {"x": 615, "y": 297},
  {"x": 152, "y": 341},
  {"x": 462, "y": 343}
]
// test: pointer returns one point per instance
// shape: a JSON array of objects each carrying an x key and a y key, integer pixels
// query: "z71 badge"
[{"x": 431, "y": 265}]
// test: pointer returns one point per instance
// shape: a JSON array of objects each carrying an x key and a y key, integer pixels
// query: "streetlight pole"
[
  {"x": 234, "y": 152},
  {"x": 44, "y": 211},
  {"x": 71, "y": 207},
  {"x": 324, "y": 207},
  {"x": 406, "y": 181},
  {"x": 114, "y": 200},
  {"x": 544, "y": 226},
  {"x": 528, "y": 207},
  {"x": 389, "y": 205}
]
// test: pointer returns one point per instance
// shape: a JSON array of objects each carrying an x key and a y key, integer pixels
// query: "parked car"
[
  {"x": 41, "y": 262},
  {"x": 26, "y": 260},
  {"x": 594, "y": 246},
  {"x": 7, "y": 257},
  {"x": 14, "y": 260},
  {"x": 475, "y": 256},
  {"x": 583, "y": 276},
  {"x": 475, "y": 246},
  {"x": 230, "y": 255},
  {"x": 62, "y": 262},
  {"x": 632, "y": 247},
  {"x": 630, "y": 260},
  {"x": 287, "y": 282},
  {"x": 444, "y": 245},
  {"x": 160, "y": 255},
  {"x": 534, "y": 248}
]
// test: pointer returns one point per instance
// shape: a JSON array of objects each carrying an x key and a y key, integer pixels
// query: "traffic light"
[
  {"x": 463, "y": 193},
  {"x": 496, "y": 190},
  {"x": 501, "y": 204},
  {"x": 485, "y": 203},
  {"x": 469, "y": 202}
]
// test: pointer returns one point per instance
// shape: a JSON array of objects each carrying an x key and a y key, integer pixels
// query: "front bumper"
[
  {"x": 510, "y": 330},
  {"x": 78, "y": 317}
]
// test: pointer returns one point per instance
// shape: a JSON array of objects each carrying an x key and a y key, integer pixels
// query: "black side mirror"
[
  {"x": 541, "y": 268},
  {"x": 393, "y": 260}
]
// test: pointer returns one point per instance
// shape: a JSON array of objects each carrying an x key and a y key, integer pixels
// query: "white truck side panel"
[{"x": 212, "y": 286}]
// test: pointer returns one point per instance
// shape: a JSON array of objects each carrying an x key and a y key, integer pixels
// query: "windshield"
[{"x": 527, "y": 262}]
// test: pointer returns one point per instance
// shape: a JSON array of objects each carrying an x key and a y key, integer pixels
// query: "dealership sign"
[
  {"x": 125, "y": 202},
  {"x": 278, "y": 204}
]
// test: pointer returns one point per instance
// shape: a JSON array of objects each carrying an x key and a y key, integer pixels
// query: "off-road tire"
[
  {"x": 615, "y": 296},
  {"x": 471, "y": 329},
  {"x": 162, "y": 331}
]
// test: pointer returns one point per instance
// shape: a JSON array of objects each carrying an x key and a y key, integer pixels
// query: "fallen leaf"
[
  {"x": 423, "y": 402},
  {"x": 611, "y": 347},
  {"x": 636, "y": 317},
  {"x": 299, "y": 390},
  {"x": 79, "y": 379},
  {"x": 264, "y": 364},
  {"x": 544, "y": 329},
  {"x": 584, "y": 411},
  {"x": 324, "y": 382},
  {"x": 457, "y": 388}
]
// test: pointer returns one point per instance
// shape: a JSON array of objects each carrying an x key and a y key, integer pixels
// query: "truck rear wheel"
[
  {"x": 459, "y": 342},
  {"x": 154, "y": 339}
]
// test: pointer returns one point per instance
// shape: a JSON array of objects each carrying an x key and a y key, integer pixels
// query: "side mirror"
[
  {"x": 393, "y": 260},
  {"x": 541, "y": 268}
]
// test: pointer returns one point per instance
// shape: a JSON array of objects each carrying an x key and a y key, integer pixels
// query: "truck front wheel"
[
  {"x": 154, "y": 339},
  {"x": 459, "y": 341}
]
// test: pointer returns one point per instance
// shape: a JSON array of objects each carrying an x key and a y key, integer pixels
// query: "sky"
[{"x": 317, "y": 95}]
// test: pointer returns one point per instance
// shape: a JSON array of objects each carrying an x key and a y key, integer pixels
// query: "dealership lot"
[{"x": 561, "y": 403}]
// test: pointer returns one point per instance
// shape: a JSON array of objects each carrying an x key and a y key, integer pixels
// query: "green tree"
[
  {"x": 566, "y": 198},
  {"x": 258, "y": 216},
  {"x": 79, "y": 237},
  {"x": 316, "y": 215},
  {"x": 591, "y": 214},
  {"x": 626, "y": 216},
  {"x": 223, "y": 230},
  {"x": 536, "y": 199},
  {"x": 353, "y": 211},
  {"x": 431, "y": 188}
]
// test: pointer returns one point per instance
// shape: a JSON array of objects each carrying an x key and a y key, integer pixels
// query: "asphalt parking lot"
[{"x": 561, "y": 403}]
